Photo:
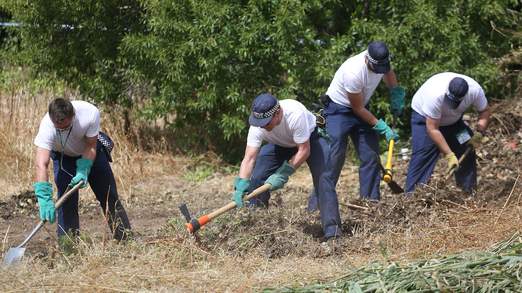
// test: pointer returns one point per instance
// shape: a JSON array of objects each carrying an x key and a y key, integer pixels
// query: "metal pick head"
[{"x": 185, "y": 212}]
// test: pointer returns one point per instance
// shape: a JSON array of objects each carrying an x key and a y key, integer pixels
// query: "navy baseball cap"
[
  {"x": 457, "y": 89},
  {"x": 379, "y": 56},
  {"x": 264, "y": 107}
]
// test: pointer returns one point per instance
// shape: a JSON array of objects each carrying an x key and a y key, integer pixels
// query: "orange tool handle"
[
  {"x": 195, "y": 225},
  {"x": 387, "y": 172}
]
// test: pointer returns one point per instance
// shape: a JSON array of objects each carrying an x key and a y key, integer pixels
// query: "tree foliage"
[
  {"x": 200, "y": 63},
  {"x": 78, "y": 41}
]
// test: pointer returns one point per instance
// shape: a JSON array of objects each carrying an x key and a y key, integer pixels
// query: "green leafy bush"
[
  {"x": 78, "y": 41},
  {"x": 199, "y": 64}
]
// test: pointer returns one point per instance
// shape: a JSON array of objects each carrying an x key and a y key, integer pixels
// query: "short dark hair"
[{"x": 60, "y": 109}]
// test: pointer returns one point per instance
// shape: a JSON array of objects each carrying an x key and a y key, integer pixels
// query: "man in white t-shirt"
[
  {"x": 69, "y": 134},
  {"x": 292, "y": 138},
  {"x": 347, "y": 115},
  {"x": 437, "y": 127}
]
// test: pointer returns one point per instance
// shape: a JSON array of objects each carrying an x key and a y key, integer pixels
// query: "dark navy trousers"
[
  {"x": 272, "y": 156},
  {"x": 101, "y": 180},
  {"x": 342, "y": 123},
  {"x": 425, "y": 154}
]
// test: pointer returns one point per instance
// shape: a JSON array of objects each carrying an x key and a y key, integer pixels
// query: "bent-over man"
[
  {"x": 292, "y": 139},
  {"x": 68, "y": 135},
  {"x": 437, "y": 128}
]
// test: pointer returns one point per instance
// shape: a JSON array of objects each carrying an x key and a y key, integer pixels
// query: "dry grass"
[
  {"x": 23, "y": 104},
  {"x": 245, "y": 250},
  {"x": 19, "y": 113}
]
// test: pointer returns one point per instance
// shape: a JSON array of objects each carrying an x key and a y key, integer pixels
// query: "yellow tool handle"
[{"x": 387, "y": 176}]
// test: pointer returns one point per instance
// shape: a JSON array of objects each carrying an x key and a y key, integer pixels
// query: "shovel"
[{"x": 15, "y": 254}]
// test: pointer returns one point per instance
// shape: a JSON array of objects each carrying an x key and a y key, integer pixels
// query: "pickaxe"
[
  {"x": 395, "y": 188},
  {"x": 193, "y": 224}
]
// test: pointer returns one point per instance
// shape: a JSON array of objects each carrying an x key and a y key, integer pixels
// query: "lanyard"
[
  {"x": 59, "y": 133},
  {"x": 63, "y": 143}
]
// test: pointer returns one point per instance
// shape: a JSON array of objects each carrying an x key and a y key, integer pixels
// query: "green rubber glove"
[
  {"x": 452, "y": 160},
  {"x": 397, "y": 100},
  {"x": 385, "y": 130},
  {"x": 240, "y": 187},
  {"x": 83, "y": 167},
  {"x": 44, "y": 194},
  {"x": 280, "y": 177}
]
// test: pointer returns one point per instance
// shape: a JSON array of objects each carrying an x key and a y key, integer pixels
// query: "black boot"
[{"x": 119, "y": 223}]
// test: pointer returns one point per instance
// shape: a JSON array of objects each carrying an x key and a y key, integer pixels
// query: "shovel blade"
[{"x": 14, "y": 255}]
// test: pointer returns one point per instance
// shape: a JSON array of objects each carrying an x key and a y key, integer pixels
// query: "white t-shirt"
[
  {"x": 295, "y": 128},
  {"x": 428, "y": 101},
  {"x": 86, "y": 123},
  {"x": 353, "y": 77}
]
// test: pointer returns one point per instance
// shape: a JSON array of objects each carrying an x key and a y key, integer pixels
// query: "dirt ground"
[{"x": 251, "y": 249}]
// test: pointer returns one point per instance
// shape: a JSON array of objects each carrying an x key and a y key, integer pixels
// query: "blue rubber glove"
[
  {"x": 240, "y": 187},
  {"x": 280, "y": 177},
  {"x": 397, "y": 100},
  {"x": 385, "y": 130},
  {"x": 83, "y": 167},
  {"x": 44, "y": 194}
]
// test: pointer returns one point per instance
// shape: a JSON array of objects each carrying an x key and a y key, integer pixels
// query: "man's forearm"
[
  {"x": 90, "y": 149},
  {"x": 42, "y": 160},
  {"x": 366, "y": 116},
  {"x": 89, "y": 153},
  {"x": 390, "y": 79},
  {"x": 439, "y": 141},
  {"x": 483, "y": 121},
  {"x": 299, "y": 158},
  {"x": 247, "y": 165},
  {"x": 41, "y": 174}
]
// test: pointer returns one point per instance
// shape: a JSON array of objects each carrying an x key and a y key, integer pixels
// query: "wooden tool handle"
[
  {"x": 67, "y": 194},
  {"x": 196, "y": 224},
  {"x": 232, "y": 204},
  {"x": 461, "y": 159}
]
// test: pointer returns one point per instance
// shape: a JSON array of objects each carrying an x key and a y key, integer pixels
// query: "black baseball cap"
[
  {"x": 457, "y": 89},
  {"x": 379, "y": 56},
  {"x": 264, "y": 107}
]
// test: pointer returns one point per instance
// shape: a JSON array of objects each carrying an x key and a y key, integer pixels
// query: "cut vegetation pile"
[{"x": 497, "y": 270}]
